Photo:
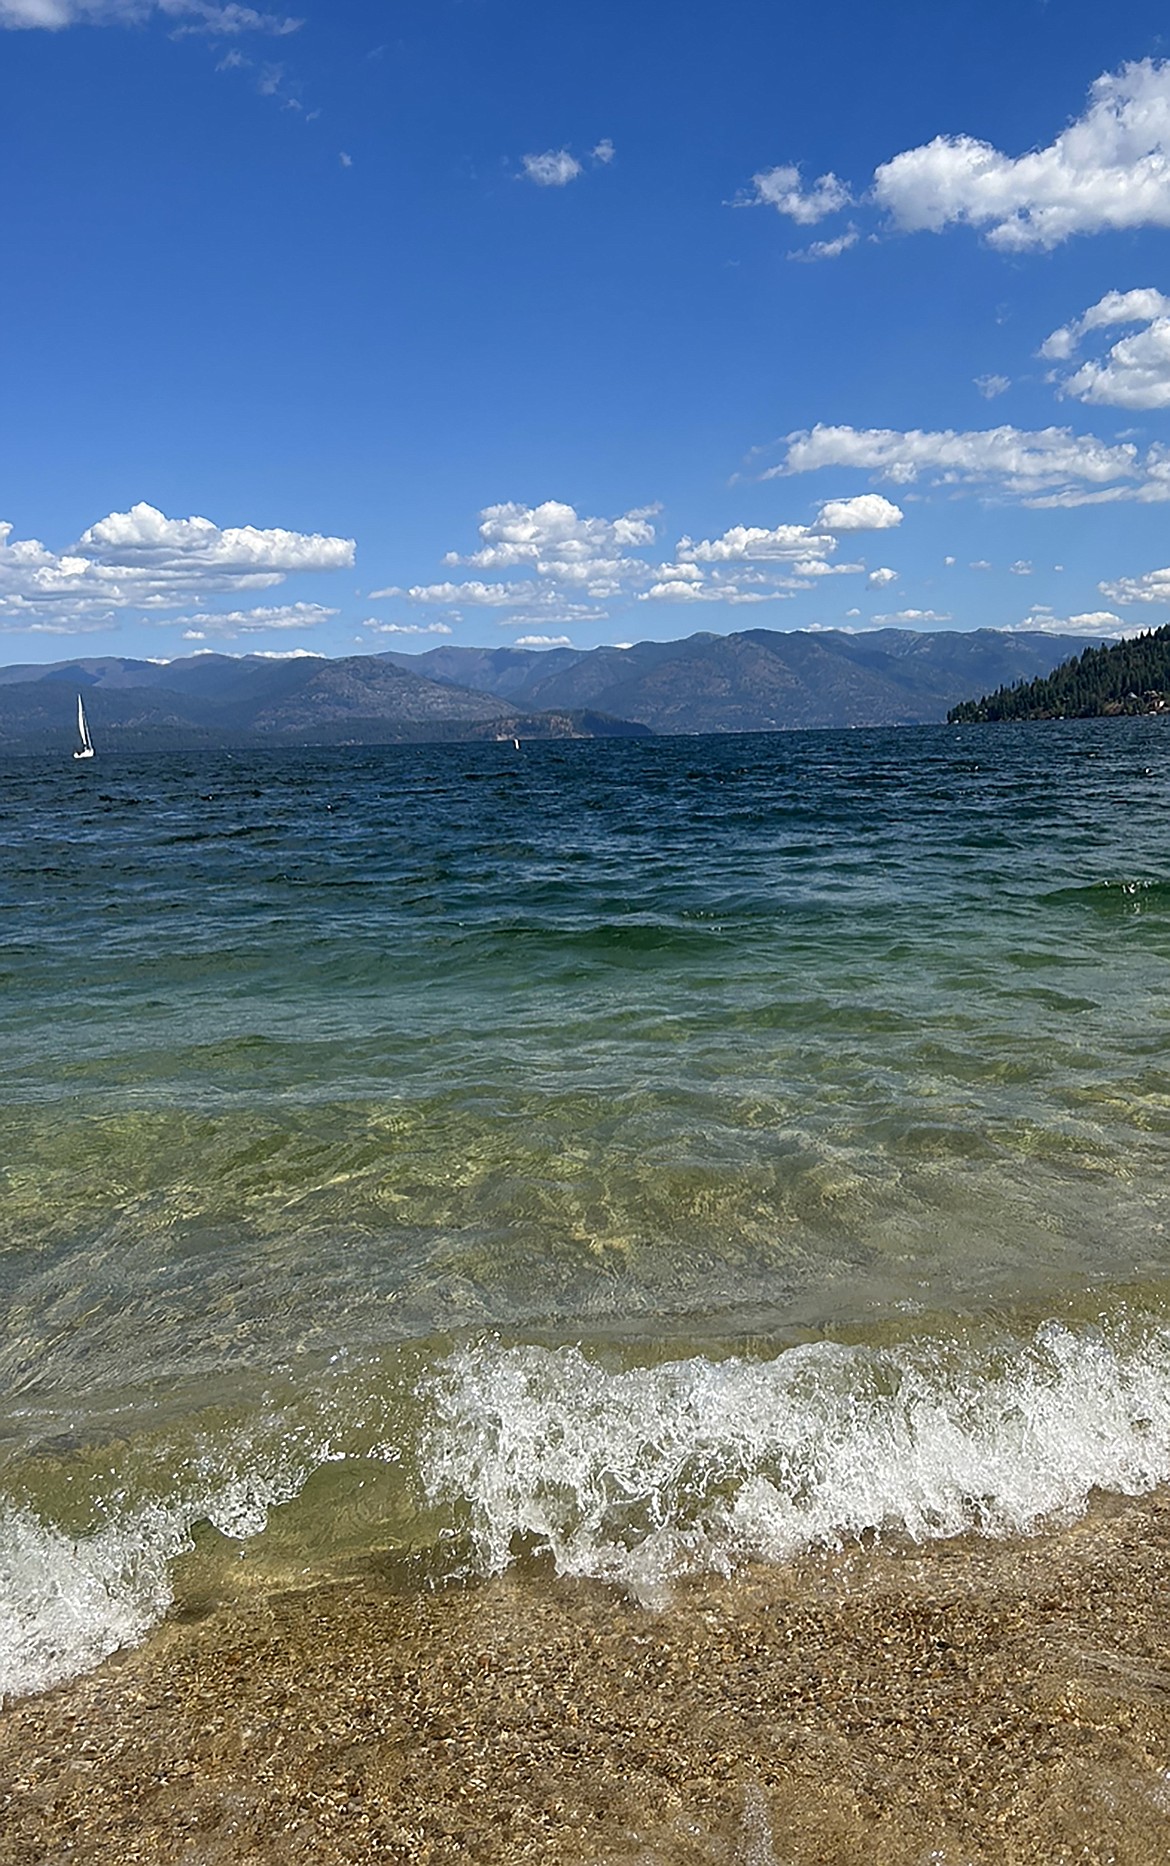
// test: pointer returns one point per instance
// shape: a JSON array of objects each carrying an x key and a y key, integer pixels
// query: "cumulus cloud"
[
  {"x": 717, "y": 589},
  {"x": 552, "y": 539},
  {"x": 1134, "y": 372},
  {"x": 1096, "y": 624},
  {"x": 991, "y": 386},
  {"x": 867, "y": 512},
  {"x": 1109, "y": 169},
  {"x": 555, "y": 168},
  {"x": 475, "y": 592},
  {"x": 878, "y": 579},
  {"x": 794, "y": 556},
  {"x": 1137, "y": 307},
  {"x": 145, "y": 539},
  {"x": 1152, "y": 587},
  {"x": 143, "y": 560},
  {"x": 220, "y": 21},
  {"x": 796, "y": 544},
  {"x": 781, "y": 188},
  {"x": 1046, "y": 466},
  {"x": 543, "y": 641},
  {"x": 602, "y": 152},
  {"x": 550, "y": 565}
]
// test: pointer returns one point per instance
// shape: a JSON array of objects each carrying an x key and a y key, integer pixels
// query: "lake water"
[{"x": 623, "y": 1159}]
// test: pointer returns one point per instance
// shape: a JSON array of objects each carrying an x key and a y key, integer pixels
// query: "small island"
[{"x": 1121, "y": 678}]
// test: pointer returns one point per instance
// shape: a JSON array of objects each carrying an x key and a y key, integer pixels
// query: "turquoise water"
[{"x": 635, "y": 1156}]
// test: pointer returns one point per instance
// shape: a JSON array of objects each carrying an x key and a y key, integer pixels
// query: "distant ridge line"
[{"x": 755, "y": 680}]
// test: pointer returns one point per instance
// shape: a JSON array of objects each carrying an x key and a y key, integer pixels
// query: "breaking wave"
[
  {"x": 634, "y": 1475},
  {"x": 67, "y": 1601},
  {"x": 644, "y": 1475}
]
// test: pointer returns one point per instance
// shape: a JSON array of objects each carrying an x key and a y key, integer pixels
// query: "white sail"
[{"x": 83, "y": 729}]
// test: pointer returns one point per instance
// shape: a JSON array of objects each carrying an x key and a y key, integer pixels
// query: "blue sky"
[{"x": 388, "y": 323}]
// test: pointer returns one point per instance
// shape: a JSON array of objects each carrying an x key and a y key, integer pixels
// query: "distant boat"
[{"x": 83, "y": 728}]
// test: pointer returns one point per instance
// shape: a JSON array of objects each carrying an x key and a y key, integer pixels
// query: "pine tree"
[{"x": 1125, "y": 677}]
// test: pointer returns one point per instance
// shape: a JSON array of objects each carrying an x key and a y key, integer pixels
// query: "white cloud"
[
  {"x": 345, "y": 160},
  {"x": 557, "y": 543},
  {"x": 867, "y": 512},
  {"x": 794, "y": 544},
  {"x": 539, "y": 598},
  {"x": 1140, "y": 306},
  {"x": 1021, "y": 568},
  {"x": 1109, "y": 169},
  {"x": 1035, "y": 465},
  {"x": 1136, "y": 373},
  {"x": 554, "y": 169},
  {"x": 573, "y": 563},
  {"x": 781, "y": 188},
  {"x": 405, "y": 628},
  {"x": 916, "y": 616},
  {"x": 603, "y": 152},
  {"x": 94, "y": 625},
  {"x": 719, "y": 590},
  {"x": 878, "y": 579},
  {"x": 145, "y": 539},
  {"x": 143, "y": 560},
  {"x": 475, "y": 593},
  {"x": 827, "y": 249},
  {"x": 991, "y": 386},
  {"x": 232, "y": 622},
  {"x": 1096, "y": 624},
  {"x": 543, "y": 641},
  {"x": 198, "y": 15},
  {"x": 276, "y": 654},
  {"x": 225, "y": 20},
  {"x": 1152, "y": 587}
]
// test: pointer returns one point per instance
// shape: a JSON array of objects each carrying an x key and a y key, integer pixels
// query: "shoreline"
[{"x": 969, "y": 1700}]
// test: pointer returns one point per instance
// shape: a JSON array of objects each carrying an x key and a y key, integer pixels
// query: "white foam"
[
  {"x": 639, "y": 1476},
  {"x": 68, "y": 1602},
  {"x": 65, "y": 1604}
]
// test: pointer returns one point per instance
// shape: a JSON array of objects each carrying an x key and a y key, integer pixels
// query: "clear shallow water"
[{"x": 651, "y": 1154}]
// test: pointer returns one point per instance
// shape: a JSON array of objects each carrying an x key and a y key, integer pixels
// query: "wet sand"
[{"x": 968, "y": 1703}]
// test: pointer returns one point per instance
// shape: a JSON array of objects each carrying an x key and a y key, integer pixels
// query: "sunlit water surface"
[{"x": 639, "y": 1156}]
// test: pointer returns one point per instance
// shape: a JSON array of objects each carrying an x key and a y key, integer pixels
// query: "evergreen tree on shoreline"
[{"x": 1120, "y": 678}]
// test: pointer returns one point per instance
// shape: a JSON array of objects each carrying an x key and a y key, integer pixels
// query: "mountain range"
[{"x": 759, "y": 680}]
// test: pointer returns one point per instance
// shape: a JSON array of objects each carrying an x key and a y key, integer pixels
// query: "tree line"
[{"x": 1122, "y": 677}]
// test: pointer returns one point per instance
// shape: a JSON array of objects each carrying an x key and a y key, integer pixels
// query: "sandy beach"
[{"x": 971, "y": 1702}]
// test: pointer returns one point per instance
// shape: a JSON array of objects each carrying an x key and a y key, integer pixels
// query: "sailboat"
[{"x": 83, "y": 728}]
